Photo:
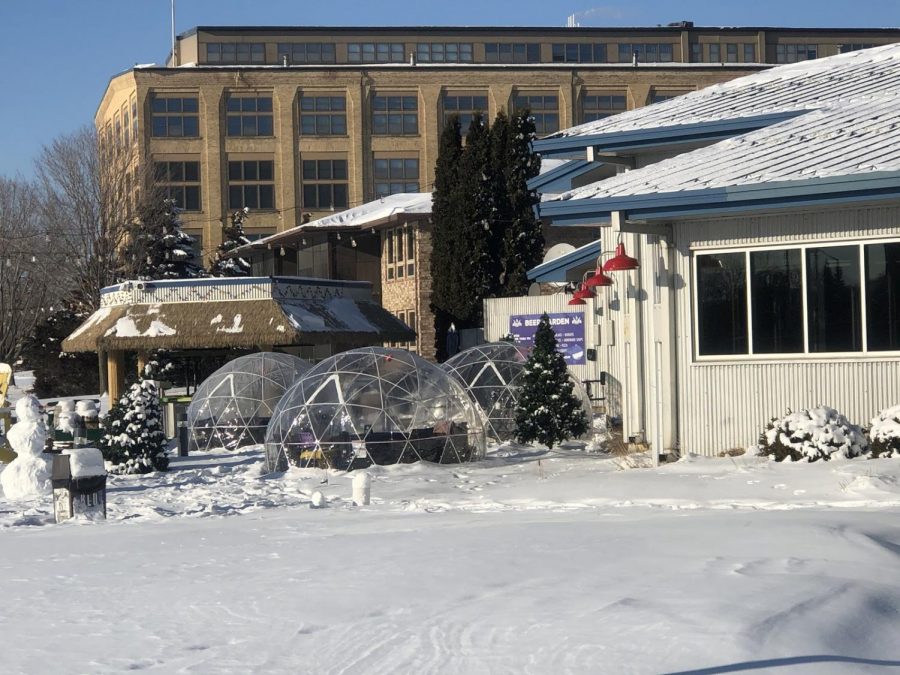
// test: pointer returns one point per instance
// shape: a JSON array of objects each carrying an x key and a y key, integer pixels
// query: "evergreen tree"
[
  {"x": 57, "y": 373},
  {"x": 232, "y": 237},
  {"x": 156, "y": 247},
  {"x": 477, "y": 270},
  {"x": 547, "y": 411},
  {"x": 523, "y": 240},
  {"x": 445, "y": 232},
  {"x": 134, "y": 441},
  {"x": 502, "y": 206}
]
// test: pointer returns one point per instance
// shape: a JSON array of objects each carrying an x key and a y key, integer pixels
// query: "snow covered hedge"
[
  {"x": 819, "y": 433},
  {"x": 884, "y": 434}
]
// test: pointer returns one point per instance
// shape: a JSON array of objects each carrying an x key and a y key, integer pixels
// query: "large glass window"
[
  {"x": 649, "y": 52},
  {"x": 465, "y": 107},
  {"x": 325, "y": 184},
  {"x": 833, "y": 299},
  {"x": 883, "y": 296},
  {"x": 399, "y": 252},
  {"x": 776, "y": 289},
  {"x": 722, "y": 303},
  {"x": 396, "y": 175},
  {"x": 249, "y": 115},
  {"x": 251, "y": 184},
  {"x": 179, "y": 181},
  {"x": 658, "y": 96},
  {"x": 395, "y": 116},
  {"x": 512, "y": 52},
  {"x": 749, "y": 53},
  {"x": 715, "y": 53},
  {"x": 306, "y": 52},
  {"x": 175, "y": 116},
  {"x": 375, "y": 52},
  {"x": 598, "y": 106},
  {"x": 444, "y": 52},
  {"x": 323, "y": 116},
  {"x": 854, "y": 46},
  {"x": 544, "y": 109},
  {"x": 235, "y": 52},
  {"x": 803, "y": 299},
  {"x": 579, "y": 52}
]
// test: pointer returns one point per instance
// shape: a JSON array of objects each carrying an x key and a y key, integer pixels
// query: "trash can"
[
  {"x": 79, "y": 484},
  {"x": 183, "y": 435}
]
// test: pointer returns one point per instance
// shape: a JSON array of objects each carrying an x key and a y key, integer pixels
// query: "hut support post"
[
  {"x": 141, "y": 363},
  {"x": 115, "y": 374},
  {"x": 101, "y": 367}
]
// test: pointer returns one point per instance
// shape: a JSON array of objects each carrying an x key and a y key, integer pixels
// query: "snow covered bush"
[
  {"x": 884, "y": 434},
  {"x": 134, "y": 441},
  {"x": 819, "y": 433}
]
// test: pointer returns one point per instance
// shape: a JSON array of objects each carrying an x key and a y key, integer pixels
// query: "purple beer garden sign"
[{"x": 569, "y": 329}]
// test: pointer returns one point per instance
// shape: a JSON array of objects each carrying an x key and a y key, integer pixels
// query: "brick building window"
[
  {"x": 235, "y": 52},
  {"x": 399, "y": 253},
  {"x": 396, "y": 175},
  {"x": 249, "y": 115},
  {"x": 792, "y": 53},
  {"x": 323, "y": 115},
  {"x": 175, "y": 116},
  {"x": 375, "y": 52},
  {"x": 512, "y": 52},
  {"x": 647, "y": 52},
  {"x": 731, "y": 52},
  {"x": 749, "y": 53},
  {"x": 598, "y": 106},
  {"x": 715, "y": 53},
  {"x": 395, "y": 116},
  {"x": 179, "y": 181},
  {"x": 251, "y": 184},
  {"x": 134, "y": 118},
  {"x": 306, "y": 52},
  {"x": 544, "y": 109},
  {"x": 325, "y": 184},
  {"x": 658, "y": 96},
  {"x": 444, "y": 52},
  {"x": 465, "y": 106},
  {"x": 579, "y": 52},
  {"x": 855, "y": 46}
]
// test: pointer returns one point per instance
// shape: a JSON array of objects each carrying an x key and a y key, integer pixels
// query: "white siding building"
[{"x": 765, "y": 217}]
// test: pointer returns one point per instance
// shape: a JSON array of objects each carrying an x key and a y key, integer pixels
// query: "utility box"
[{"x": 79, "y": 484}]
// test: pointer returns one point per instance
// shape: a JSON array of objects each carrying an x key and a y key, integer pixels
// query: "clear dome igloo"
[
  {"x": 374, "y": 406},
  {"x": 492, "y": 375},
  {"x": 233, "y": 406}
]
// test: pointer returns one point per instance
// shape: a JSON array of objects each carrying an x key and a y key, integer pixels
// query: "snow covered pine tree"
[
  {"x": 134, "y": 441},
  {"x": 232, "y": 237},
  {"x": 156, "y": 246},
  {"x": 548, "y": 411}
]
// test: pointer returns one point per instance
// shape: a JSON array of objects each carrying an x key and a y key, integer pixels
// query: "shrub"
[
  {"x": 884, "y": 434},
  {"x": 809, "y": 435}
]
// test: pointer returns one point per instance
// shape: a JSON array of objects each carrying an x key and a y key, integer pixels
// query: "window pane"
[
  {"x": 248, "y": 128},
  {"x": 776, "y": 293},
  {"x": 235, "y": 197},
  {"x": 339, "y": 125},
  {"x": 340, "y": 195},
  {"x": 722, "y": 304},
  {"x": 192, "y": 171},
  {"x": 833, "y": 303},
  {"x": 325, "y": 196},
  {"x": 307, "y": 125},
  {"x": 309, "y": 196},
  {"x": 189, "y": 105},
  {"x": 883, "y": 296},
  {"x": 191, "y": 126},
  {"x": 250, "y": 170},
  {"x": 309, "y": 169},
  {"x": 324, "y": 169},
  {"x": 266, "y": 171},
  {"x": 192, "y": 198},
  {"x": 339, "y": 169},
  {"x": 251, "y": 197}
]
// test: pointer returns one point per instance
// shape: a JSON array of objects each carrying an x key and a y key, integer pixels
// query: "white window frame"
[{"x": 805, "y": 355}]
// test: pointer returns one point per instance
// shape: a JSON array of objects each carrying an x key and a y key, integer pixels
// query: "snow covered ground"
[{"x": 527, "y": 562}]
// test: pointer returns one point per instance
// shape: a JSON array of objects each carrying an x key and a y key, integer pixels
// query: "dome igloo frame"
[
  {"x": 492, "y": 375},
  {"x": 374, "y": 406},
  {"x": 233, "y": 406}
]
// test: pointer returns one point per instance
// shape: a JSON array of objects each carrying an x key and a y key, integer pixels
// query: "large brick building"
[{"x": 297, "y": 123}]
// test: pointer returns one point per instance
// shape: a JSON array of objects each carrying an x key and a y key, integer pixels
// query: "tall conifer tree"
[
  {"x": 523, "y": 241},
  {"x": 232, "y": 237},
  {"x": 156, "y": 246},
  {"x": 445, "y": 232}
]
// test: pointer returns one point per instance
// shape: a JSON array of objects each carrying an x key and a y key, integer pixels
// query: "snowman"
[{"x": 28, "y": 475}]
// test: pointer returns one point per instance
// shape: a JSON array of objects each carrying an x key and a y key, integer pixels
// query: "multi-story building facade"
[{"x": 296, "y": 123}]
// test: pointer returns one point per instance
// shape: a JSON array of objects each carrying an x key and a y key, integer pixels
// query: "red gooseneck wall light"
[{"x": 620, "y": 262}]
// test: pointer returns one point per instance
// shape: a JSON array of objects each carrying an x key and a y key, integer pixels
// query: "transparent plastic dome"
[
  {"x": 374, "y": 406},
  {"x": 492, "y": 375},
  {"x": 233, "y": 406}
]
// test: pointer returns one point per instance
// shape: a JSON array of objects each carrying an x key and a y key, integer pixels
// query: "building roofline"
[
  {"x": 555, "y": 270},
  {"x": 849, "y": 188},
  {"x": 537, "y": 30}
]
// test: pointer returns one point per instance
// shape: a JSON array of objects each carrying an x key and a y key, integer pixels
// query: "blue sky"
[{"x": 59, "y": 54}]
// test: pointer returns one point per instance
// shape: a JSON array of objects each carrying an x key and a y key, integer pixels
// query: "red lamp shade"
[
  {"x": 620, "y": 262},
  {"x": 584, "y": 293},
  {"x": 598, "y": 279},
  {"x": 576, "y": 301}
]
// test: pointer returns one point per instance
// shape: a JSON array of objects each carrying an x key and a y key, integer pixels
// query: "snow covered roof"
[
  {"x": 853, "y": 77},
  {"x": 848, "y": 132}
]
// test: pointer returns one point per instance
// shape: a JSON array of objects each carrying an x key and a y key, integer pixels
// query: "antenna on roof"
[
  {"x": 571, "y": 22},
  {"x": 174, "y": 59}
]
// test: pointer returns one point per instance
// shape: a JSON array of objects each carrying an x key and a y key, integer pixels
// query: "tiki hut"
[{"x": 255, "y": 313}]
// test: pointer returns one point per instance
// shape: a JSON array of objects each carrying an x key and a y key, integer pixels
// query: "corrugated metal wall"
[{"x": 726, "y": 405}]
